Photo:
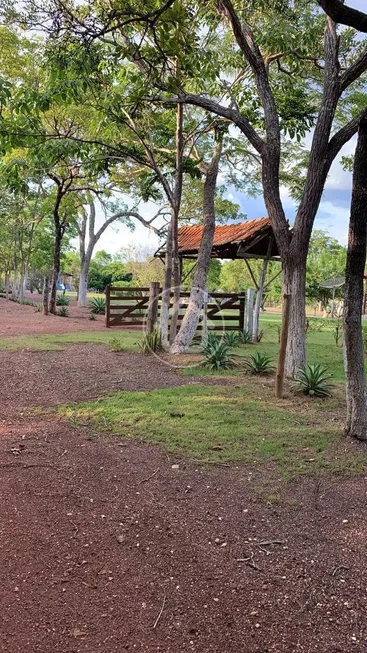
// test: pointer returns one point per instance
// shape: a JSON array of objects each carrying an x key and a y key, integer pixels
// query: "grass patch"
[
  {"x": 129, "y": 340},
  {"x": 229, "y": 424},
  {"x": 321, "y": 347}
]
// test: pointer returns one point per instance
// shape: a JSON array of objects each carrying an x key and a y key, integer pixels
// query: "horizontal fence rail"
[{"x": 140, "y": 307}]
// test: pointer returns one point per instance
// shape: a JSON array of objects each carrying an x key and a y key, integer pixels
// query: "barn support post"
[
  {"x": 250, "y": 310},
  {"x": 260, "y": 291},
  {"x": 241, "y": 324},
  {"x": 152, "y": 314},
  {"x": 46, "y": 290}
]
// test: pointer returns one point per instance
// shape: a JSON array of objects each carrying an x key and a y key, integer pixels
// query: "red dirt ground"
[
  {"x": 105, "y": 547},
  {"x": 24, "y": 320}
]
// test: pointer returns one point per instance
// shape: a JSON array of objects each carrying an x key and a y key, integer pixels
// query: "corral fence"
[{"x": 141, "y": 306}]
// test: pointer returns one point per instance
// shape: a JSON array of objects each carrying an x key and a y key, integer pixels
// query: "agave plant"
[
  {"x": 151, "y": 342},
  {"x": 97, "y": 305},
  {"x": 313, "y": 380},
  {"x": 245, "y": 337},
  {"x": 217, "y": 356},
  {"x": 210, "y": 340},
  {"x": 63, "y": 311},
  {"x": 231, "y": 338},
  {"x": 259, "y": 364},
  {"x": 62, "y": 300}
]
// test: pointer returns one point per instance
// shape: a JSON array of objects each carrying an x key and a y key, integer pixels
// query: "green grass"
[
  {"x": 228, "y": 424},
  {"x": 129, "y": 340},
  {"x": 321, "y": 347}
]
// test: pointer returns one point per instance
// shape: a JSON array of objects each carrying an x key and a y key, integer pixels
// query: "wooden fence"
[{"x": 140, "y": 307}]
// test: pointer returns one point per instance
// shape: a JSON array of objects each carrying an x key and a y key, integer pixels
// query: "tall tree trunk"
[
  {"x": 356, "y": 419},
  {"x": 84, "y": 274},
  {"x": 165, "y": 303},
  {"x": 56, "y": 269},
  {"x": 59, "y": 233},
  {"x": 294, "y": 285},
  {"x": 192, "y": 315},
  {"x": 177, "y": 194}
]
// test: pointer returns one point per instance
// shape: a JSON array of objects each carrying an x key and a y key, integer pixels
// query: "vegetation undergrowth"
[{"x": 225, "y": 424}]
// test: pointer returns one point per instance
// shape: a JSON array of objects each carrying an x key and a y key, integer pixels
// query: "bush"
[
  {"x": 91, "y": 316},
  {"x": 231, "y": 338},
  {"x": 151, "y": 342},
  {"x": 62, "y": 300},
  {"x": 259, "y": 364},
  {"x": 63, "y": 311},
  {"x": 217, "y": 355},
  {"x": 115, "y": 344},
  {"x": 312, "y": 380},
  {"x": 245, "y": 337},
  {"x": 209, "y": 341},
  {"x": 97, "y": 305}
]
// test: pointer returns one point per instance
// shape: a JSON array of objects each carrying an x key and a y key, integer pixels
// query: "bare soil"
[
  {"x": 109, "y": 545},
  {"x": 16, "y": 319}
]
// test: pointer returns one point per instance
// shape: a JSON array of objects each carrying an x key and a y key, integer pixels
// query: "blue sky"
[{"x": 333, "y": 214}]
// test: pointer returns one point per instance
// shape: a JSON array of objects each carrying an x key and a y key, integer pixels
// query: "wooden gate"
[{"x": 127, "y": 307}]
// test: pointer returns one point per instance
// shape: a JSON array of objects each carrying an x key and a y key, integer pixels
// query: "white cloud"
[{"x": 334, "y": 219}]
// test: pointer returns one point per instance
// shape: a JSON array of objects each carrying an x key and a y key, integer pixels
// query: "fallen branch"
[
  {"x": 250, "y": 562},
  {"x": 144, "y": 480},
  {"x": 340, "y": 568},
  {"x": 160, "y": 612}
]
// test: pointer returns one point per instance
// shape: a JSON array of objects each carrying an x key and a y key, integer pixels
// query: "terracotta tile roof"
[{"x": 189, "y": 237}]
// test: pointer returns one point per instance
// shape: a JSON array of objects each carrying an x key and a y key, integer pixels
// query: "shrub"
[
  {"x": 231, "y": 338},
  {"x": 63, "y": 311},
  {"x": 245, "y": 337},
  {"x": 39, "y": 308},
  {"x": 312, "y": 380},
  {"x": 91, "y": 316},
  {"x": 116, "y": 344},
  {"x": 151, "y": 342},
  {"x": 259, "y": 364},
  {"x": 210, "y": 340},
  {"x": 217, "y": 355},
  {"x": 62, "y": 300},
  {"x": 97, "y": 305}
]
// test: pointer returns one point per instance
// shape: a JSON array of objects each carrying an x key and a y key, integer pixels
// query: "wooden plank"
[
  {"x": 132, "y": 298},
  {"x": 128, "y": 288}
]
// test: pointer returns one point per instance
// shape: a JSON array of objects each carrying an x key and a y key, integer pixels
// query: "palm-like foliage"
[
  {"x": 259, "y": 364},
  {"x": 151, "y": 342},
  {"x": 63, "y": 311},
  {"x": 217, "y": 356},
  {"x": 209, "y": 341},
  {"x": 245, "y": 337},
  {"x": 313, "y": 380},
  {"x": 62, "y": 300},
  {"x": 231, "y": 338},
  {"x": 97, "y": 305}
]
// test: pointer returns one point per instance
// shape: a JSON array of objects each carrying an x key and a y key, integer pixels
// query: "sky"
[{"x": 333, "y": 214}]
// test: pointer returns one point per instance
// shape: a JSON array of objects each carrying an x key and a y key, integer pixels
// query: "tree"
[
  {"x": 267, "y": 88},
  {"x": 356, "y": 420},
  {"x": 192, "y": 314}
]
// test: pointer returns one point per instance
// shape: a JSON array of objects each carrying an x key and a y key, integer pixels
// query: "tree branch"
[
  {"x": 343, "y": 136},
  {"x": 344, "y": 15},
  {"x": 214, "y": 107},
  {"x": 354, "y": 71}
]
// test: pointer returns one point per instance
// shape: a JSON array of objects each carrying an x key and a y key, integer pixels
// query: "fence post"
[
  {"x": 45, "y": 295},
  {"x": 250, "y": 310},
  {"x": 108, "y": 305},
  {"x": 152, "y": 306},
  {"x": 241, "y": 324},
  {"x": 279, "y": 381}
]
